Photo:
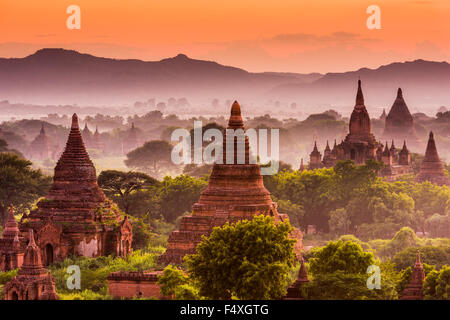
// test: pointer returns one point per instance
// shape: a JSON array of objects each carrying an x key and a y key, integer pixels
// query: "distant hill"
[
  {"x": 66, "y": 76},
  {"x": 58, "y": 76},
  {"x": 425, "y": 84}
]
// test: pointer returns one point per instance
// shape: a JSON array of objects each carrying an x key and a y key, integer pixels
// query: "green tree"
[
  {"x": 347, "y": 257},
  {"x": 119, "y": 185},
  {"x": 248, "y": 260},
  {"x": 437, "y": 284},
  {"x": 177, "y": 195},
  {"x": 21, "y": 185},
  {"x": 153, "y": 157},
  {"x": 170, "y": 280}
]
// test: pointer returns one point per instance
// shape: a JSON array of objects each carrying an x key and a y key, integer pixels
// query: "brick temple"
[
  {"x": 41, "y": 147},
  {"x": 360, "y": 145},
  {"x": 431, "y": 168},
  {"x": 294, "y": 291},
  {"x": 235, "y": 192},
  {"x": 399, "y": 123},
  {"x": 414, "y": 289},
  {"x": 11, "y": 247},
  {"x": 33, "y": 282},
  {"x": 75, "y": 217}
]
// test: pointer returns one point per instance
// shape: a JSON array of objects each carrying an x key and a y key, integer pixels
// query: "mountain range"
[{"x": 59, "y": 76}]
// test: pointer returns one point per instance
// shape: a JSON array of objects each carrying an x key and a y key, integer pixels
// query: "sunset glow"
[{"x": 297, "y": 36}]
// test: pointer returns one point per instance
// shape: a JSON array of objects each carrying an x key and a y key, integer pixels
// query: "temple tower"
[
  {"x": 432, "y": 168},
  {"x": 40, "y": 147},
  {"x": 235, "y": 192},
  {"x": 315, "y": 158},
  {"x": 293, "y": 292},
  {"x": 97, "y": 142},
  {"x": 399, "y": 122},
  {"x": 414, "y": 289},
  {"x": 29, "y": 284},
  {"x": 302, "y": 166},
  {"x": 131, "y": 141},
  {"x": 360, "y": 144},
  {"x": 86, "y": 134},
  {"x": 75, "y": 217},
  {"x": 11, "y": 251},
  {"x": 404, "y": 158}
]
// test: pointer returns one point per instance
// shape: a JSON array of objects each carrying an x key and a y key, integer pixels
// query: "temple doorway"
[
  {"x": 14, "y": 296},
  {"x": 48, "y": 254},
  {"x": 353, "y": 154}
]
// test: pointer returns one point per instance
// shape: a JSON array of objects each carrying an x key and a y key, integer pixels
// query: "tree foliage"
[
  {"x": 20, "y": 184},
  {"x": 248, "y": 260}
]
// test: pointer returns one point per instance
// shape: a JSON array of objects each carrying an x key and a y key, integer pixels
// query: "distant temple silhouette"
[{"x": 360, "y": 145}]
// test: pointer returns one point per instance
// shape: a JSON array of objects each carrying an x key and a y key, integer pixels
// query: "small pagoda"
[
  {"x": 32, "y": 282},
  {"x": 414, "y": 289},
  {"x": 432, "y": 168}
]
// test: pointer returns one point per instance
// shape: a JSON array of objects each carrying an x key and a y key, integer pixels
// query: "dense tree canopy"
[
  {"x": 21, "y": 185},
  {"x": 153, "y": 157},
  {"x": 248, "y": 260}
]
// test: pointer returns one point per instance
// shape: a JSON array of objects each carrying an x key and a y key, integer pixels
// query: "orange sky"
[{"x": 263, "y": 35}]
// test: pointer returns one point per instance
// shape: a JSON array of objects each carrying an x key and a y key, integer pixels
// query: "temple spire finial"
[
  {"x": 235, "y": 121},
  {"x": 359, "y": 95},
  {"x": 75, "y": 121}
]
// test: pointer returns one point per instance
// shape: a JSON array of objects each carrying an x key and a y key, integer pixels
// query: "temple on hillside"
[
  {"x": 235, "y": 192},
  {"x": 360, "y": 145},
  {"x": 131, "y": 141},
  {"x": 432, "y": 168},
  {"x": 414, "y": 289},
  {"x": 11, "y": 246},
  {"x": 75, "y": 217},
  {"x": 399, "y": 122},
  {"x": 294, "y": 291},
  {"x": 33, "y": 282},
  {"x": 41, "y": 147}
]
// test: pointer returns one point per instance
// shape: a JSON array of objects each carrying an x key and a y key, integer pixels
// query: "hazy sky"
[{"x": 264, "y": 35}]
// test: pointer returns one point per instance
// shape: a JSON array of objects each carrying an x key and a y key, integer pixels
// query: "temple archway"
[
  {"x": 14, "y": 296},
  {"x": 48, "y": 254}
]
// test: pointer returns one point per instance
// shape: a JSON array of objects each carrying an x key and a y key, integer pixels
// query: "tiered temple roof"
[
  {"x": 235, "y": 191},
  {"x": 75, "y": 217},
  {"x": 432, "y": 168},
  {"x": 414, "y": 289},
  {"x": 399, "y": 122}
]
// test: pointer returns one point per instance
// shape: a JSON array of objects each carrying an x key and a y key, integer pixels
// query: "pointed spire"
[
  {"x": 86, "y": 126},
  {"x": 302, "y": 167},
  {"x": 327, "y": 148},
  {"x": 399, "y": 93},
  {"x": 431, "y": 153},
  {"x": 418, "y": 262},
  {"x": 235, "y": 121},
  {"x": 315, "y": 147},
  {"x": 96, "y": 130},
  {"x": 392, "y": 145},
  {"x": 75, "y": 122},
  {"x": 11, "y": 227},
  {"x": 42, "y": 129},
  {"x": 302, "y": 273},
  {"x": 432, "y": 168},
  {"x": 359, "y": 95}
]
